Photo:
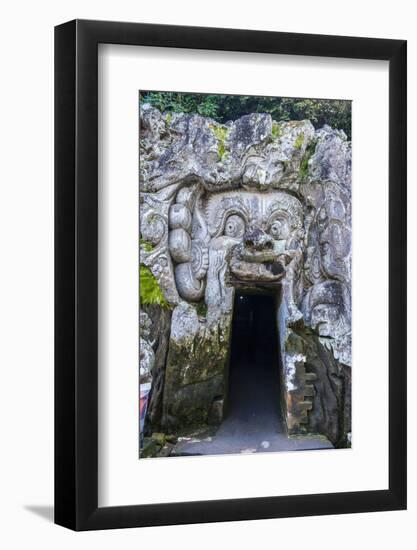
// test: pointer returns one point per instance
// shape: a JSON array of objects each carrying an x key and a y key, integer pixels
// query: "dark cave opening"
[{"x": 254, "y": 380}]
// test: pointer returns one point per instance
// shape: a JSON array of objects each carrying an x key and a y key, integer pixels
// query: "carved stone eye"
[
  {"x": 279, "y": 229},
  {"x": 234, "y": 227},
  {"x": 276, "y": 229}
]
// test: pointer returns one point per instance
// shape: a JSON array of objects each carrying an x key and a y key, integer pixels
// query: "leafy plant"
[
  {"x": 204, "y": 105},
  {"x": 150, "y": 292},
  {"x": 222, "y": 108}
]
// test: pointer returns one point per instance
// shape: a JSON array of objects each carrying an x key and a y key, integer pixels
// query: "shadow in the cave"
[{"x": 254, "y": 398}]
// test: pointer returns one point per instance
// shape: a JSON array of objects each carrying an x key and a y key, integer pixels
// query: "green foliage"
[
  {"x": 204, "y": 105},
  {"x": 299, "y": 141},
  {"x": 222, "y": 108},
  {"x": 150, "y": 293}
]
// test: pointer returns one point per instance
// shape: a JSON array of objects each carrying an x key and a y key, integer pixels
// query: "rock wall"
[{"x": 253, "y": 204}]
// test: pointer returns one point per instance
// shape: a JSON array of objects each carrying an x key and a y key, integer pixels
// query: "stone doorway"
[
  {"x": 253, "y": 394},
  {"x": 253, "y": 416}
]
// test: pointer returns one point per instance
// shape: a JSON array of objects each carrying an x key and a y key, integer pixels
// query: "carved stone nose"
[{"x": 256, "y": 239}]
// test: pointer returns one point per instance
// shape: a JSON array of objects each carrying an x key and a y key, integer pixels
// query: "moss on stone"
[
  {"x": 309, "y": 152},
  {"x": 150, "y": 448},
  {"x": 159, "y": 438},
  {"x": 221, "y": 135},
  {"x": 147, "y": 246},
  {"x": 276, "y": 130},
  {"x": 201, "y": 308},
  {"x": 195, "y": 376},
  {"x": 299, "y": 141}
]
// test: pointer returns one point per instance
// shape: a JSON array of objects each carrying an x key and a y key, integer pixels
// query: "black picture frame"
[{"x": 76, "y": 272}]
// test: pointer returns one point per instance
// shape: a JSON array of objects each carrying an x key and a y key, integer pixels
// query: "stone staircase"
[{"x": 306, "y": 401}]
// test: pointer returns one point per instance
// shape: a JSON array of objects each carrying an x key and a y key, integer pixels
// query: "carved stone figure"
[{"x": 251, "y": 204}]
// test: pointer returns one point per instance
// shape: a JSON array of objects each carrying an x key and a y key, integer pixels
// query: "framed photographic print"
[{"x": 230, "y": 275}]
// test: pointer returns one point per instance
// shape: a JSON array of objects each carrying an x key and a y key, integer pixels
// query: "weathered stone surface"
[
  {"x": 146, "y": 353},
  {"x": 328, "y": 390},
  {"x": 332, "y": 159},
  {"x": 254, "y": 202},
  {"x": 195, "y": 372},
  {"x": 150, "y": 448},
  {"x": 215, "y": 414},
  {"x": 159, "y": 337}
]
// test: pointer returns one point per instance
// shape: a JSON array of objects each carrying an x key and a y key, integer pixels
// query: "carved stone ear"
[
  {"x": 188, "y": 286},
  {"x": 180, "y": 217},
  {"x": 191, "y": 256},
  {"x": 187, "y": 196},
  {"x": 192, "y": 264},
  {"x": 179, "y": 242}
]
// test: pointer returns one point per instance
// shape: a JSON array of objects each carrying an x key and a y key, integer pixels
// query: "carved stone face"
[
  {"x": 250, "y": 234},
  {"x": 330, "y": 309},
  {"x": 334, "y": 237},
  {"x": 257, "y": 227}
]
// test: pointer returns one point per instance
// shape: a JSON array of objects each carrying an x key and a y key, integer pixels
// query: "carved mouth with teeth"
[{"x": 257, "y": 259}]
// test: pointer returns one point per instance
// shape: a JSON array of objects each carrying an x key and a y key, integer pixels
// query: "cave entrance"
[{"x": 253, "y": 403}]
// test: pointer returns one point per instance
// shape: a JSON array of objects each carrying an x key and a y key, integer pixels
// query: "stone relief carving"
[
  {"x": 256, "y": 207},
  {"x": 188, "y": 251}
]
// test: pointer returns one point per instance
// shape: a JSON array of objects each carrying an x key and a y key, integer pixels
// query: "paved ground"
[
  {"x": 254, "y": 424},
  {"x": 259, "y": 433}
]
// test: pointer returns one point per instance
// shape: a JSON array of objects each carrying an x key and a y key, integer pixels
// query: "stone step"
[
  {"x": 311, "y": 376},
  {"x": 306, "y": 405},
  {"x": 309, "y": 390}
]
